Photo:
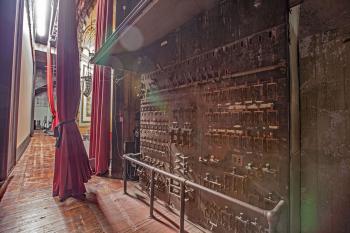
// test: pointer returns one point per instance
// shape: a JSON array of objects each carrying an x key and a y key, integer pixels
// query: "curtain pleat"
[
  {"x": 50, "y": 94},
  {"x": 72, "y": 167},
  {"x": 101, "y": 95}
]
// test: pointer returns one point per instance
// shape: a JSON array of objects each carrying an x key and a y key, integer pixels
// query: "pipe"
[
  {"x": 294, "y": 125},
  {"x": 182, "y": 207},
  {"x": 151, "y": 204},
  {"x": 125, "y": 176}
]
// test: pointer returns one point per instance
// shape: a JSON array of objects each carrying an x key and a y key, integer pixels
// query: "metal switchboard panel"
[{"x": 215, "y": 111}]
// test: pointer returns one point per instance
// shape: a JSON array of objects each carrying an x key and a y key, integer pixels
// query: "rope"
[{"x": 58, "y": 131}]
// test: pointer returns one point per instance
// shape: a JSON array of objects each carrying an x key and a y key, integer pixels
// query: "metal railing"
[{"x": 272, "y": 216}]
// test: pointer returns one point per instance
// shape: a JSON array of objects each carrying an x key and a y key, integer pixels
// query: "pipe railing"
[{"x": 272, "y": 216}]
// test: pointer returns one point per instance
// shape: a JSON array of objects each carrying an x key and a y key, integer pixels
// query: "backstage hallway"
[{"x": 28, "y": 205}]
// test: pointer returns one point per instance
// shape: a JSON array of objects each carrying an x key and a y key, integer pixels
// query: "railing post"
[
  {"x": 182, "y": 208},
  {"x": 151, "y": 204},
  {"x": 125, "y": 176},
  {"x": 273, "y": 216}
]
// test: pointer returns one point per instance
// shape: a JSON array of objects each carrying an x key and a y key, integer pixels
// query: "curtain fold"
[
  {"x": 50, "y": 95},
  {"x": 101, "y": 94},
  {"x": 72, "y": 167}
]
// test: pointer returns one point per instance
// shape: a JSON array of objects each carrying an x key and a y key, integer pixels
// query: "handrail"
[{"x": 272, "y": 216}]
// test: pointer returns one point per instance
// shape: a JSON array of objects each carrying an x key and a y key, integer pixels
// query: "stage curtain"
[
  {"x": 49, "y": 81},
  {"x": 72, "y": 167},
  {"x": 101, "y": 95}
]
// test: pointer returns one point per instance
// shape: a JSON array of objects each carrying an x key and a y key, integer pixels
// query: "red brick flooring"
[{"x": 28, "y": 206}]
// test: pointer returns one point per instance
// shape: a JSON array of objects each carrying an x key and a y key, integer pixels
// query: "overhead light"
[{"x": 41, "y": 16}]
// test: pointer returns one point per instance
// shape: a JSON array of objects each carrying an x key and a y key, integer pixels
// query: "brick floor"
[{"x": 28, "y": 205}]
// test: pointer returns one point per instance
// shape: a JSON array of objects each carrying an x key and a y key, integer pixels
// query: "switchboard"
[{"x": 215, "y": 111}]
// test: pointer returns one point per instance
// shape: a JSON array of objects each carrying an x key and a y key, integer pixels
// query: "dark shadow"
[
  {"x": 4, "y": 186},
  {"x": 171, "y": 223}
]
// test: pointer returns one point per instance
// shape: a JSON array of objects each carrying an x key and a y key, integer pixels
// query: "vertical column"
[
  {"x": 117, "y": 125},
  {"x": 182, "y": 207},
  {"x": 125, "y": 176},
  {"x": 295, "y": 187}
]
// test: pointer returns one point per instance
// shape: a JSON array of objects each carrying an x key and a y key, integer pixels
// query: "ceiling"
[{"x": 37, "y": 38}]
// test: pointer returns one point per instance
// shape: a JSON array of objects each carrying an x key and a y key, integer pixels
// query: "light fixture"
[{"x": 41, "y": 16}]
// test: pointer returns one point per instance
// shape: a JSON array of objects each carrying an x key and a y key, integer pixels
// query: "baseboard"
[{"x": 22, "y": 147}]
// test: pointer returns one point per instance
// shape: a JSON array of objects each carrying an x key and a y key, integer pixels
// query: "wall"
[
  {"x": 41, "y": 104},
  {"x": 86, "y": 72},
  {"x": 325, "y": 116},
  {"x": 26, "y": 85},
  {"x": 86, "y": 40},
  {"x": 11, "y": 13},
  {"x": 41, "y": 108},
  {"x": 325, "y": 132}
]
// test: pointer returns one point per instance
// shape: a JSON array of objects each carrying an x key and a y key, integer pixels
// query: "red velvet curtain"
[
  {"x": 50, "y": 95},
  {"x": 101, "y": 94},
  {"x": 72, "y": 167}
]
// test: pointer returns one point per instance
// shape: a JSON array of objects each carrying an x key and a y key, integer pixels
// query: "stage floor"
[{"x": 28, "y": 205}]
